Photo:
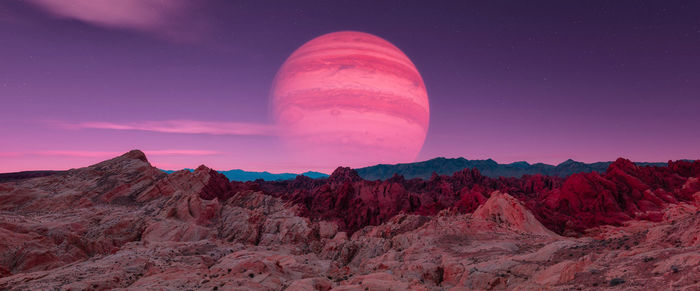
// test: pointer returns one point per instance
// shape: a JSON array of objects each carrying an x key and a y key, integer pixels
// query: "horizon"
[
  {"x": 500, "y": 163},
  {"x": 85, "y": 160},
  {"x": 298, "y": 87},
  {"x": 115, "y": 155}
]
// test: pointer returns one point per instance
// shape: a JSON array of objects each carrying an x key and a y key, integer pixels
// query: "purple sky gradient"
[{"x": 535, "y": 81}]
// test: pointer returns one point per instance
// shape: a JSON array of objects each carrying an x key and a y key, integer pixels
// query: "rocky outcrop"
[
  {"x": 626, "y": 191},
  {"x": 506, "y": 211}
]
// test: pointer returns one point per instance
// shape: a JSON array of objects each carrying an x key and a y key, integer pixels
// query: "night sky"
[{"x": 508, "y": 80}]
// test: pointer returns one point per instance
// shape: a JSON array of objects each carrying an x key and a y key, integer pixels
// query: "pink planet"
[{"x": 350, "y": 99}]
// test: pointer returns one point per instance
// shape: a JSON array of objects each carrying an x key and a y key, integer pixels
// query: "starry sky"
[{"x": 188, "y": 82}]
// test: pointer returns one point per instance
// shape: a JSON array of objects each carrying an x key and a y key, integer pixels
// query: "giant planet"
[{"x": 350, "y": 98}]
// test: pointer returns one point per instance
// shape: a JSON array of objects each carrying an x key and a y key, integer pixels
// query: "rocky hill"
[{"x": 125, "y": 224}]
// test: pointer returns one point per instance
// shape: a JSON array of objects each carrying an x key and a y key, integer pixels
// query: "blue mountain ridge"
[
  {"x": 489, "y": 168},
  {"x": 440, "y": 166},
  {"x": 244, "y": 176}
]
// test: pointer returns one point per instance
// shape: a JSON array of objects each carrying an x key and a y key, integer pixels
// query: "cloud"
[
  {"x": 102, "y": 154},
  {"x": 76, "y": 154},
  {"x": 93, "y": 154},
  {"x": 155, "y": 16},
  {"x": 181, "y": 153},
  {"x": 184, "y": 126}
]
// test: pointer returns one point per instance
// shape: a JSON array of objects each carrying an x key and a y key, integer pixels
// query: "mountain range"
[
  {"x": 243, "y": 176},
  {"x": 489, "y": 168},
  {"x": 6, "y": 177},
  {"x": 441, "y": 166},
  {"x": 423, "y": 170}
]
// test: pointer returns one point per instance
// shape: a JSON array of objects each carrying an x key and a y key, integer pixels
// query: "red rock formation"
[{"x": 626, "y": 191}]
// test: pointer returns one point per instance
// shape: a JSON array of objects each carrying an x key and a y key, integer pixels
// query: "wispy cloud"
[
  {"x": 155, "y": 16},
  {"x": 106, "y": 154},
  {"x": 181, "y": 152},
  {"x": 182, "y": 126},
  {"x": 77, "y": 154}
]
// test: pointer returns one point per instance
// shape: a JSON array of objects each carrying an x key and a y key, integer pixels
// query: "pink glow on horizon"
[
  {"x": 64, "y": 159},
  {"x": 114, "y": 154},
  {"x": 108, "y": 154}
]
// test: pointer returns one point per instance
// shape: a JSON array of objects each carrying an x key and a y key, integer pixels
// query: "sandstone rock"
[
  {"x": 317, "y": 283},
  {"x": 506, "y": 211},
  {"x": 122, "y": 224},
  {"x": 327, "y": 229}
]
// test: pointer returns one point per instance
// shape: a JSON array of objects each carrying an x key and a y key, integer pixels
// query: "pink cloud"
[
  {"x": 181, "y": 152},
  {"x": 65, "y": 159},
  {"x": 109, "y": 154},
  {"x": 183, "y": 126},
  {"x": 79, "y": 154},
  {"x": 156, "y": 16}
]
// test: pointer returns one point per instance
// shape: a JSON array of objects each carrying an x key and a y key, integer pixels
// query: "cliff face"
[{"x": 124, "y": 224}]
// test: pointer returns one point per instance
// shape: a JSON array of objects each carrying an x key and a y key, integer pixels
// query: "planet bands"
[{"x": 352, "y": 97}]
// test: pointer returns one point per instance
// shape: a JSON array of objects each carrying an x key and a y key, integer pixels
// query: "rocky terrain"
[{"x": 123, "y": 224}]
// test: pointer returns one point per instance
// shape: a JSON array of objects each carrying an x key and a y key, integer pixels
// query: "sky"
[{"x": 188, "y": 82}]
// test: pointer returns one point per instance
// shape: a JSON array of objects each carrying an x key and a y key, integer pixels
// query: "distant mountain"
[
  {"x": 243, "y": 176},
  {"x": 425, "y": 169},
  {"x": 6, "y": 177},
  {"x": 490, "y": 168}
]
